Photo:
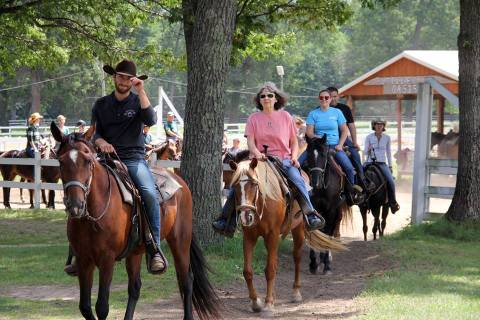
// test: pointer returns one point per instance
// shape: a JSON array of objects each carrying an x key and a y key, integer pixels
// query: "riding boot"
[
  {"x": 227, "y": 222},
  {"x": 314, "y": 221},
  {"x": 354, "y": 194}
]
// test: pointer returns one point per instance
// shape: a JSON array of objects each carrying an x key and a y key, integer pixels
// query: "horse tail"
[
  {"x": 205, "y": 300},
  {"x": 347, "y": 214},
  {"x": 319, "y": 241}
]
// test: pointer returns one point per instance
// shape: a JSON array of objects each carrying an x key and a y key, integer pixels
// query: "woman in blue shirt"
[{"x": 327, "y": 121}]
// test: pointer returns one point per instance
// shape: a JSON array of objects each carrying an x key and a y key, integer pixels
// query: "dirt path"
[{"x": 324, "y": 297}]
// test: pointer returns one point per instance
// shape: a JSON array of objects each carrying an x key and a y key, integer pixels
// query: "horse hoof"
[
  {"x": 32, "y": 207},
  {"x": 327, "y": 272},
  {"x": 297, "y": 296},
  {"x": 257, "y": 305},
  {"x": 313, "y": 269},
  {"x": 267, "y": 311}
]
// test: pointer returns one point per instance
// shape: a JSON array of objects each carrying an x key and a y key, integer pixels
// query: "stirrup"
[{"x": 149, "y": 258}]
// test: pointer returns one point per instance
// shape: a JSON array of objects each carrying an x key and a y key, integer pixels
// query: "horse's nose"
[{"x": 75, "y": 208}]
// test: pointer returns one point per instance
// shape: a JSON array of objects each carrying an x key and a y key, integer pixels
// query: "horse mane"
[
  {"x": 267, "y": 180},
  {"x": 161, "y": 148}
]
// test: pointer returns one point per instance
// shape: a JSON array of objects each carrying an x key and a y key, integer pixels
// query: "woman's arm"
[
  {"x": 389, "y": 152},
  {"x": 253, "y": 148},
  {"x": 310, "y": 132},
  {"x": 343, "y": 136}
]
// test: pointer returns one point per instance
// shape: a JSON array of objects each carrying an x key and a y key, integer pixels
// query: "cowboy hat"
[
  {"x": 124, "y": 67},
  {"x": 378, "y": 120},
  {"x": 34, "y": 117}
]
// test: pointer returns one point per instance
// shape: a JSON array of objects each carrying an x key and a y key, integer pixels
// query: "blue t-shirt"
[{"x": 326, "y": 122}]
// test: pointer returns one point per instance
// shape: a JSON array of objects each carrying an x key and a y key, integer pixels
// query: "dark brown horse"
[
  {"x": 226, "y": 158},
  {"x": 167, "y": 150},
  {"x": 49, "y": 174},
  {"x": 376, "y": 201},
  {"x": 263, "y": 213},
  {"x": 448, "y": 147},
  {"x": 327, "y": 198},
  {"x": 98, "y": 226}
]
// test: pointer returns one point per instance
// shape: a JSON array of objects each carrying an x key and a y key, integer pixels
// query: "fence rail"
[{"x": 37, "y": 185}]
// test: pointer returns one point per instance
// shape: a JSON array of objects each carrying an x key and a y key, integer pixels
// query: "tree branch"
[{"x": 7, "y": 8}]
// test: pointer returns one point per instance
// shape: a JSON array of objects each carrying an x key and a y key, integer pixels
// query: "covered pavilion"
[{"x": 399, "y": 78}]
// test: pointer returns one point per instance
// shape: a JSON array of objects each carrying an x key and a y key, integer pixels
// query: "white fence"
[{"x": 37, "y": 185}]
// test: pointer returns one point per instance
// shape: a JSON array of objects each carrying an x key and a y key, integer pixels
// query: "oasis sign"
[{"x": 402, "y": 85}]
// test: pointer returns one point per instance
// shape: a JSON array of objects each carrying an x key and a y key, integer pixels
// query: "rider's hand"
[
  {"x": 261, "y": 156},
  {"x": 295, "y": 163},
  {"x": 137, "y": 84},
  {"x": 104, "y": 146},
  {"x": 356, "y": 146},
  {"x": 338, "y": 147}
]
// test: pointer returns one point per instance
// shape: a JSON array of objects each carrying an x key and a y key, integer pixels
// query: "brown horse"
[
  {"x": 448, "y": 147},
  {"x": 48, "y": 174},
  {"x": 226, "y": 158},
  {"x": 167, "y": 150},
  {"x": 98, "y": 227},
  {"x": 262, "y": 209}
]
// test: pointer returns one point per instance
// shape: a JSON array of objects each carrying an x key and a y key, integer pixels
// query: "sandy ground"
[{"x": 324, "y": 297}]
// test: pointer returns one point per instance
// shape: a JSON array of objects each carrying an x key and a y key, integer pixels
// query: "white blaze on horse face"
[
  {"x": 315, "y": 154},
  {"x": 243, "y": 183},
  {"x": 73, "y": 154}
]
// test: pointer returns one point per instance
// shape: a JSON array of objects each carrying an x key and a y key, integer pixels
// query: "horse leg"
[
  {"x": 376, "y": 223},
  {"x": 327, "y": 258},
  {"x": 298, "y": 235},
  {"x": 179, "y": 246},
  {"x": 133, "y": 264},
  {"x": 44, "y": 198},
  {"x": 51, "y": 199},
  {"x": 313, "y": 266},
  {"x": 30, "y": 192},
  {"x": 85, "y": 279},
  {"x": 271, "y": 244},
  {"x": 384, "y": 219},
  {"x": 6, "y": 198},
  {"x": 364, "y": 211},
  {"x": 104, "y": 281},
  {"x": 248, "y": 246},
  {"x": 21, "y": 191}
]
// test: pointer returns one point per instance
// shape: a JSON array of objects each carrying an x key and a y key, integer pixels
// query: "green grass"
[
  {"x": 33, "y": 249},
  {"x": 438, "y": 275}
]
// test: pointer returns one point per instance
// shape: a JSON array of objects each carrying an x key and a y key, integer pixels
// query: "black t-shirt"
[
  {"x": 121, "y": 123},
  {"x": 347, "y": 113}
]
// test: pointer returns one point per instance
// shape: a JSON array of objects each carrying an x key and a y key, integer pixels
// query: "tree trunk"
[
  {"x": 209, "y": 26},
  {"x": 35, "y": 75},
  {"x": 465, "y": 204}
]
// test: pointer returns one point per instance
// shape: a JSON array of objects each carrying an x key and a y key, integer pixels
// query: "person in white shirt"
[{"x": 377, "y": 149}]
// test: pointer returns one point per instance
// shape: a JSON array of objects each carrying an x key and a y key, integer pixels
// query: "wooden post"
[
  {"x": 399, "y": 122},
  {"x": 422, "y": 144},
  {"x": 37, "y": 169},
  {"x": 440, "y": 114}
]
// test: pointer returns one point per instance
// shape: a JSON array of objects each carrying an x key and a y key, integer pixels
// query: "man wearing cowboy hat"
[
  {"x": 33, "y": 135},
  {"x": 378, "y": 150},
  {"x": 119, "y": 119}
]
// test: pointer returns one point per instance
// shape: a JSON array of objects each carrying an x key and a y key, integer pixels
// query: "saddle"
[
  {"x": 289, "y": 190},
  {"x": 140, "y": 226}
]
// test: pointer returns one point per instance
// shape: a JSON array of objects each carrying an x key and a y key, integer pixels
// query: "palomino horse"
[
  {"x": 262, "y": 209},
  {"x": 48, "y": 174},
  {"x": 375, "y": 201},
  {"x": 327, "y": 184},
  {"x": 98, "y": 227}
]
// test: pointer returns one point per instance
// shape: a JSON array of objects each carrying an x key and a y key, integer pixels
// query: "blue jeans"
[
  {"x": 293, "y": 174},
  {"x": 145, "y": 183},
  {"x": 30, "y": 152},
  {"x": 355, "y": 156},
  {"x": 343, "y": 160},
  {"x": 390, "y": 183}
]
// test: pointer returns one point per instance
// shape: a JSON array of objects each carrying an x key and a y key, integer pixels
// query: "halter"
[{"x": 86, "y": 187}]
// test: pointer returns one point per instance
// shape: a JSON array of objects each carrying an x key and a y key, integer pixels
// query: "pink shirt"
[{"x": 274, "y": 130}]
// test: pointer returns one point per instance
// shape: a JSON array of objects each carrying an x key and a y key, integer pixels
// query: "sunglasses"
[
  {"x": 326, "y": 98},
  {"x": 268, "y": 95}
]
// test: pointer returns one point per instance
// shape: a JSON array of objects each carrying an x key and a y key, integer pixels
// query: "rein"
[{"x": 255, "y": 199}]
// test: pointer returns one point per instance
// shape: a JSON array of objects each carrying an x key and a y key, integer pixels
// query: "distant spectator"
[
  {"x": 61, "y": 124},
  {"x": 301, "y": 129},
  {"x": 170, "y": 127},
  {"x": 33, "y": 134},
  {"x": 81, "y": 126},
  {"x": 147, "y": 137},
  {"x": 233, "y": 150},
  {"x": 225, "y": 140}
]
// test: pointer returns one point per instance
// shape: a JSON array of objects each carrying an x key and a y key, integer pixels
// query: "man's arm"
[{"x": 353, "y": 133}]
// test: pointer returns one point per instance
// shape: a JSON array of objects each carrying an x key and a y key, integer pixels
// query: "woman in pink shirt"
[{"x": 274, "y": 127}]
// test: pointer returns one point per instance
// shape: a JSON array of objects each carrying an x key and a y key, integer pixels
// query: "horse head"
[
  {"x": 77, "y": 159},
  {"x": 246, "y": 185},
  {"x": 317, "y": 161}
]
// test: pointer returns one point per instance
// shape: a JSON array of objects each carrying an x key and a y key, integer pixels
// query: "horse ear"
[
  {"x": 323, "y": 139},
  {"x": 253, "y": 163},
  {"x": 56, "y": 133},
  {"x": 233, "y": 165},
  {"x": 88, "y": 135}
]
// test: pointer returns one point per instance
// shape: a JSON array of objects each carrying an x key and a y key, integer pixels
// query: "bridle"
[
  {"x": 252, "y": 207},
  {"x": 322, "y": 172},
  {"x": 86, "y": 187}
]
